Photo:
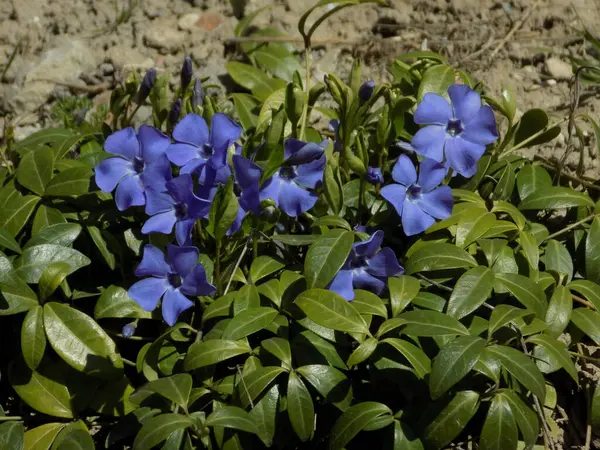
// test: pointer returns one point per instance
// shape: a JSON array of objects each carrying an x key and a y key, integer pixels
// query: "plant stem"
[
  {"x": 217, "y": 276},
  {"x": 570, "y": 227},
  {"x": 237, "y": 264},
  {"x": 531, "y": 138},
  {"x": 307, "y": 57},
  {"x": 361, "y": 197},
  {"x": 7, "y": 418},
  {"x": 587, "y": 358}
]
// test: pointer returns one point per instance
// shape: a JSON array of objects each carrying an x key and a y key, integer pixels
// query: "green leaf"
[
  {"x": 355, "y": 419},
  {"x": 405, "y": 438},
  {"x": 41, "y": 438},
  {"x": 436, "y": 79},
  {"x": 102, "y": 246},
  {"x": 516, "y": 215},
  {"x": 247, "y": 108},
  {"x": 115, "y": 303},
  {"x": 587, "y": 321},
  {"x": 247, "y": 297},
  {"x": 526, "y": 291},
  {"x": 264, "y": 415},
  {"x": 44, "y": 390},
  {"x": 253, "y": 79},
  {"x": 253, "y": 384},
  {"x": 113, "y": 399},
  {"x": 232, "y": 417},
  {"x": 367, "y": 303},
  {"x": 210, "y": 352},
  {"x": 249, "y": 321},
  {"x": 12, "y": 435},
  {"x": 532, "y": 178},
  {"x": 301, "y": 410},
  {"x": 75, "y": 181},
  {"x": 470, "y": 292},
  {"x": 332, "y": 187},
  {"x": 592, "y": 252},
  {"x": 332, "y": 222},
  {"x": 16, "y": 213},
  {"x": 45, "y": 217},
  {"x": 8, "y": 242},
  {"x": 16, "y": 298},
  {"x": 326, "y": 256},
  {"x": 438, "y": 256},
  {"x": 558, "y": 351},
  {"x": 278, "y": 61},
  {"x": 530, "y": 249},
  {"x": 431, "y": 323},
  {"x": 31, "y": 265},
  {"x": 499, "y": 431},
  {"x": 45, "y": 136},
  {"x": 223, "y": 211},
  {"x": 63, "y": 234},
  {"x": 591, "y": 291},
  {"x": 317, "y": 348},
  {"x": 81, "y": 342},
  {"x": 403, "y": 289},
  {"x": 453, "y": 363},
  {"x": 296, "y": 239},
  {"x": 472, "y": 226},
  {"x": 559, "y": 310},
  {"x": 558, "y": 259},
  {"x": 526, "y": 418},
  {"x": 329, "y": 310},
  {"x": 54, "y": 274},
  {"x": 452, "y": 420},
  {"x": 156, "y": 429},
  {"x": 35, "y": 170},
  {"x": 532, "y": 122},
  {"x": 521, "y": 367},
  {"x": 331, "y": 383},
  {"x": 176, "y": 388},
  {"x": 33, "y": 338},
  {"x": 280, "y": 348},
  {"x": 555, "y": 197},
  {"x": 264, "y": 266},
  {"x": 362, "y": 352},
  {"x": 413, "y": 354},
  {"x": 220, "y": 307},
  {"x": 503, "y": 315},
  {"x": 76, "y": 440}
]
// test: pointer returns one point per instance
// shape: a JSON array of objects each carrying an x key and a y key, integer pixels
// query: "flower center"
[
  {"x": 287, "y": 173},
  {"x": 174, "y": 280},
  {"x": 181, "y": 210},
  {"x": 414, "y": 192},
  {"x": 138, "y": 164},
  {"x": 207, "y": 150},
  {"x": 454, "y": 127}
]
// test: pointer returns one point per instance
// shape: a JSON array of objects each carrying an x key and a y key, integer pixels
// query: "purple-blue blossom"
[
  {"x": 171, "y": 279},
  {"x": 374, "y": 175},
  {"x": 419, "y": 201},
  {"x": 140, "y": 163},
  {"x": 457, "y": 131},
  {"x": 366, "y": 90},
  {"x": 177, "y": 207},
  {"x": 366, "y": 268}
]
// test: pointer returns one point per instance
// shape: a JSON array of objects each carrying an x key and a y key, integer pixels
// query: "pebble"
[
  {"x": 107, "y": 69},
  {"x": 558, "y": 69},
  {"x": 188, "y": 21},
  {"x": 164, "y": 37},
  {"x": 210, "y": 20}
]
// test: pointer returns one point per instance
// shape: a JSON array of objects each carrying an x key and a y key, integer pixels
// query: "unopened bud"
[
  {"x": 186, "y": 73},
  {"x": 175, "y": 112},
  {"x": 366, "y": 90},
  {"x": 197, "y": 95},
  {"x": 146, "y": 86},
  {"x": 128, "y": 330},
  {"x": 374, "y": 175}
]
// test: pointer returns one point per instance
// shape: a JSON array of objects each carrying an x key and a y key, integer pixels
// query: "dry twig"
[{"x": 515, "y": 28}]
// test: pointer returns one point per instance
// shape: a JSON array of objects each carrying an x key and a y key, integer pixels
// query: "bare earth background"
[{"x": 68, "y": 47}]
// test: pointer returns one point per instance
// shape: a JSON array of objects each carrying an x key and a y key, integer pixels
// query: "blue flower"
[
  {"x": 419, "y": 201},
  {"x": 334, "y": 127},
  {"x": 171, "y": 279},
  {"x": 178, "y": 207},
  {"x": 141, "y": 162},
  {"x": 366, "y": 268},
  {"x": 302, "y": 169},
  {"x": 458, "y": 132},
  {"x": 374, "y": 175},
  {"x": 366, "y": 90},
  {"x": 196, "y": 147}
]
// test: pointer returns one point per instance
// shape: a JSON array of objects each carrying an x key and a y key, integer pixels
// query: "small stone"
[
  {"x": 551, "y": 82},
  {"x": 210, "y": 20},
  {"x": 123, "y": 56},
  {"x": 188, "y": 21},
  {"x": 164, "y": 37},
  {"x": 107, "y": 69},
  {"x": 558, "y": 69}
]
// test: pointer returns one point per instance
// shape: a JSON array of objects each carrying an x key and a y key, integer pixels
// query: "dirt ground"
[{"x": 68, "y": 47}]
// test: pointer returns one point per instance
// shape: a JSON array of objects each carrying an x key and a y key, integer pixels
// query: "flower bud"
[
  {"x": 128, "y": 330},
  {"x": 366, "y": 90},
  {"x": 374, "y": 175},
  {"x": 186, "y": 73},
  {"x": 175, "y": 112},
  {"x": 146, "y": 86},
  {"x": 197, "y": 95}
]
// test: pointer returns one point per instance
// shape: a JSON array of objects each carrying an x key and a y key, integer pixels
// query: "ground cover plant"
[{"x": 233, "y": 276}]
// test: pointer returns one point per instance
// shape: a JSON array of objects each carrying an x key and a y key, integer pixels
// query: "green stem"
[
  {"x": 307, "y": 57},
  {"x": 130, "y": 118},
  {"x": 570, "y": 227},
  {"x": 587, "y": 358},
  {"x": 237, "y": 264},
  {"x": 254, "y": 246},
  {"x": 531, "y": 138},
  {"x": 217, "y": 277},
  {"x": 129, "y": 363},
  {"x": 7, "y": 418}
]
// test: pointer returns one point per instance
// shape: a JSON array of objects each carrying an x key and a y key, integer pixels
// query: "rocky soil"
[{"x": 60, "y": 48}]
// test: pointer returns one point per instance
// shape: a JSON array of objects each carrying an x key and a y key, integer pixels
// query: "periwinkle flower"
[
  {"x": 419, "y": 201},
  {"x": 170, "y": 279},
  {"x": 374, "y": 175},
  {"x": 174, "y": 112},
  {"x": 187, "y": 72},
  {"x": 197, "y": 94},
  {"x": 128, "y": 330},
  {"x": 177, "y": 207},
  {"x": 146, "y": 85},
  {"x": 457, "y": 132},
  {"x": 196, "y": 147},
  {"x": 140, "y": 163},
  {"x": 366, "y": 268},
  {"x": 366, "y": 90}
]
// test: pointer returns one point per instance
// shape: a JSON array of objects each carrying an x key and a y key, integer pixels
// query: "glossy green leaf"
[
  {"x": 592, "y": 252},
  {"x": 587, "y": 321},
  {"x": 437, "y": 79},
  {"x": 431, "y": 323},
  {"x": 63, "y": 234},
  {"x": 264, "y": 266},
  {"x": 16, "y": 298},
  {"x": 502, "y": 315},
  {"x": 45, "y": 136},
  {"x": 403, "y": 289},
  {"x": 526, "y": 291},
  {"x": 113, "y": 399},
  {"x": 532, "y": 178},
  {"x": 31, "y": 265},
  {"x": 213, "y": 351},
  {"x": 331, "y": 383},
  {"x": 176, "y": 388},
  {"x": 41, "y": 438},
  {"x": 362, "y": 352},
  {"x": 558, "y": 259},
  {"x": 559, "y": 310},
  {"x": 35, "y": 170},
  {"x": 525, "y": 416},
  {"x": 33, "y": 337},
  {"x": 355, "y": 419},
  {"x": 326, "y": 256},
  {"x": 590, "y": 290},
  {"x": 75, "y": 181},
  {"x": 438, "y": 256},
  {"x": 247, "y": 108},
  {"x": 12, "y": 435},
  {"x": 116, "y": 303},
  {"x": 156, "y": 429},
  {"x": 301, "y": 410},
  {"x": 367, "y": 303},
  {"x": 558, "y": 351},
  {"x": 81, "y": 342},
  {"x": 247, "y": 297},
  {"x": 264, "y": 415},
  {"x": 453, "y": 363},
  {"x": 45, "y": 217},
  {"x": 413, "y": 354},
  {"x": 472, "y": 226},
  {"x": 223, "y": 211},
  {"x": 54, "y": 274},
  {"x": 232, "y": 417},
  {"x": 280, "y": 348},
  {"x": 314, "y": 344},
  {"x": 249, "y": 321},
  {"x": 555, "y": 197},
  {"x": 499, "y": 430},
  {"x": 16, "y": 213},
  {"x": 470, "y": 292},
  {"x": 254, "y": 383},
  {"x": 102, "y": 246},
  {"x": 530, "y": 249},
  {"x": 278, "y": 62},
  {"x": 8, "y": 242},
  {"x": 253, "y": 79}
]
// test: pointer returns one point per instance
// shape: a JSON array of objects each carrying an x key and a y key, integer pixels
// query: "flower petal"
[
  {"x": 110, "y": 171},
  {"x": 414, "y": 220},
  {"x": 395, "y": 194},
  {"x": 192, "y": 129},
  {"x": 384, "y": 264},
  {"x": 482, "y": 128},
  {"x": 462, "y": 155},
  {"x": 130, "y": 192},
  {"x": 153, "y": 143},
  {"x": 160, "y": 223},
  {"x": 310, "y": 175},
  {"x": 153, "y": 263},
  {"x": 194, "y": 166},
  {"x": 173, "y": 304},
  {"x": 157, "y": 173},
  {"x": 364, "y": 280},
  {"x": 158, "y": 202},
  {"x": 195, "y": 283},
  {"x": 342, "y": 284},
  {"x": 182, "y": 259},
  {"x": 437, "y": 203},
  {"x": 223, "y": 131},
  {"x": 148, "y": 292},
  {"x": 271, "y": 189},
  {"x": 181, "y": 153},
  {"x": 300, "y": 152},
  {"x": 431, "y": 174},
  {"x": 247, "y": 173},
  {"x": 465, "y": 102},
  {"x": 250, "y": 200},
  {"x": 124, "y": 143},
  {"x": 181, "y": 187},
  {"x": 368, "y": 248},
  {"x": 433, "y": 109},
  {"x": 429, "y": 142},
  {"x": 197, "y": 207},
  {"x": 237, "y": 222},
  {"x": 294, "y": 200},
  {"x": 183, "y": 231},
  {"x": 404, "y": 171}
]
